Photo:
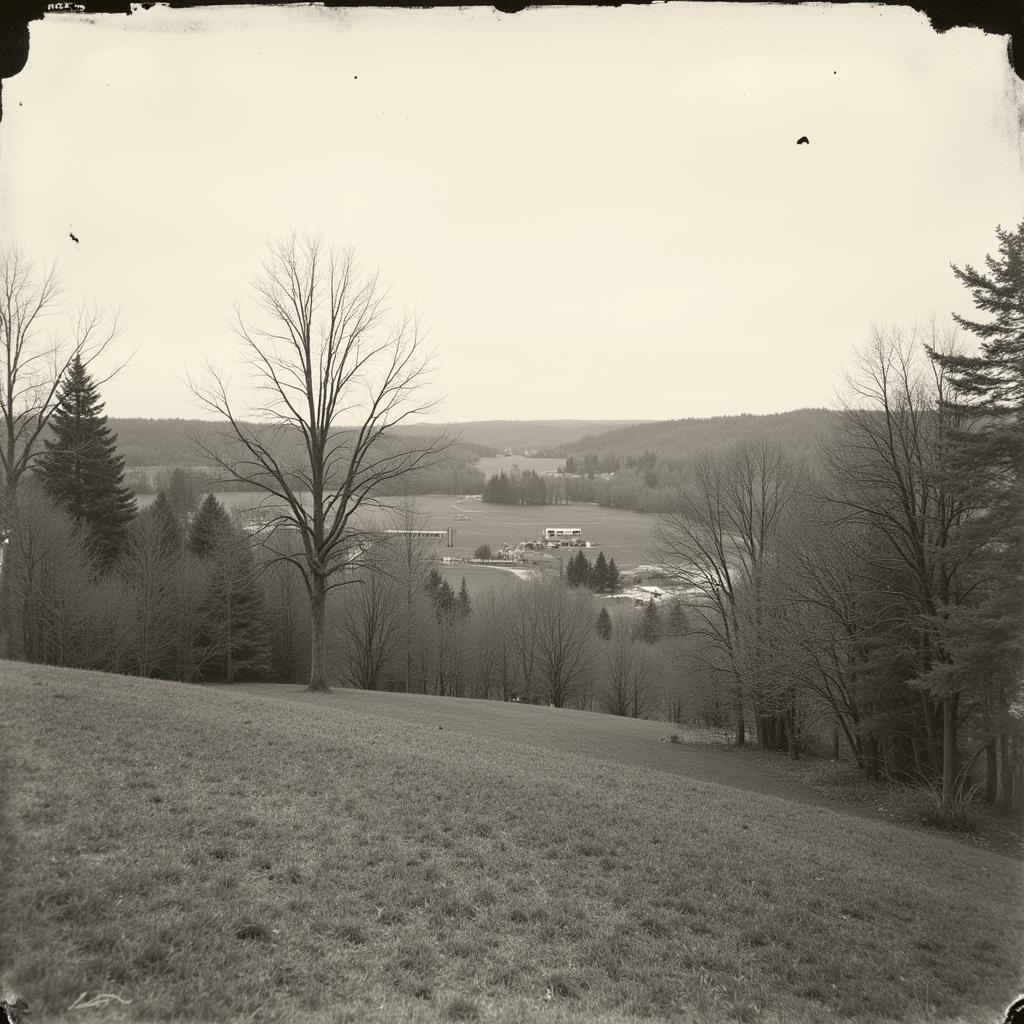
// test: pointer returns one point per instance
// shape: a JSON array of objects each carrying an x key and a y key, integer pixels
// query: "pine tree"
[
  {"x": 583, "y": 569},
  {"x": 234, "y": 629},
  {"x": 599, "y": 576},
  {"x": 649, "y": 630},
  {"x": 181, "y": 493},
  {"x": 987, "y": 460},
  {"x": 209, "y": 525},
  {"x": 612, "y": 577},
  {"x": 168, "y": 527},
  {"x": 80, "y": 467},
  {"x": 463, "y": 608},
  {"x": 604, "y": 624}
]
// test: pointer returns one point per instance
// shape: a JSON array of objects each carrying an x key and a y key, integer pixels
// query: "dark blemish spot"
[
  {"x": 803, "y": 141},
  {"x": 72, "y": 236}
]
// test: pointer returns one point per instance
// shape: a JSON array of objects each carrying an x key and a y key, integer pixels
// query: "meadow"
[
  {"x": 264, "y": 854},
  {"x": 619, "y": 533}
]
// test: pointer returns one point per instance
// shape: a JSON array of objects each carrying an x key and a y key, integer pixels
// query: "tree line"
[
  {"x": 526, "y": 488},
  {"x": 878, "y": 591}
]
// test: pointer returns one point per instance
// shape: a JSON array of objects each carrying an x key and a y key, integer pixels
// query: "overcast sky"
[{"x": 600, "y": 213}]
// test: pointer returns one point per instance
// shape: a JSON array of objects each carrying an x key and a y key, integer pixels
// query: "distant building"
[{"x": 562, "y": 533}]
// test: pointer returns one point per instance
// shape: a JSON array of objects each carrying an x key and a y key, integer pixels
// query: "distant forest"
[
  {"x": 651, "y": 462},
  {"x": 532, "y": 435},
  {"x": 153, "y": 448},
  {"x": 640, "y": 466}
]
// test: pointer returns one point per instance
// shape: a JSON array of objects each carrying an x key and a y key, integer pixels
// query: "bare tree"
[
  {"x": 409, "y": 569},
  {"x": 330, "y": 377},
  {"x": 33, "y": 362},
  {"x": 719, "y": 541},
  {"x": 370, "y": 621},
  {"x": 628, "y": 670},
  {"x": 889, "y": 464},
  {"x": 564, "y": 637}
]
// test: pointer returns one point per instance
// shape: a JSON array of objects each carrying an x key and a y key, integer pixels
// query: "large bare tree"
[
  {"x": 330, "y": 373},
  {"x": 721, "y": 540}
]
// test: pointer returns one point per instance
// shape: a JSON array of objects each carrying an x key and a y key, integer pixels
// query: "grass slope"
[{"x": 224, "y": 855}]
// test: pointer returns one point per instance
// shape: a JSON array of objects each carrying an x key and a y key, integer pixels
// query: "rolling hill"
[{"x": 173, "y": 852}]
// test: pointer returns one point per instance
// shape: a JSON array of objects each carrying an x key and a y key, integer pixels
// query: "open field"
[
  {"x": 224, "y": 854},
  {"x": 479, "y": 578},
  {"x": 619, "y": 533}
]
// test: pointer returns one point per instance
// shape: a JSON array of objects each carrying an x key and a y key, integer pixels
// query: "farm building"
[{"x": 562, "y": 533}]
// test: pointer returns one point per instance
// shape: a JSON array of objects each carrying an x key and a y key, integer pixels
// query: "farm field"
[
  {"x": 264, "y": 854},
  {"x": 619, "y": 533},
  {"x": 480, "y": 579}
]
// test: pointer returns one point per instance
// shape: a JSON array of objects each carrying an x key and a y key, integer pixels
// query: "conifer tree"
[
  {"x": 604, "y": 624},
  {"x": 167, "y": 525},
  {"x": 583, "y": 569},
  {"x": 987, "y": 641},
  {"x": 463, "y": 607},
  {"x": 80, "y": 467},
  {"x": 234, "y": 630},
  {"x": 649, "y": 630},
  {"x": 209, "y": 525},
  {"x": 612, "y": 577},
  {"x": 599, "y": 575},
  {"x": 181, "y": 493}
]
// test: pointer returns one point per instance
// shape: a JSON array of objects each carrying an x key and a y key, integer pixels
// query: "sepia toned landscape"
[{"x": 503, "y": 547}]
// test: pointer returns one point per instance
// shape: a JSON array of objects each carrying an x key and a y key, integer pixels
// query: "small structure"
[
  {"x": 448, "y": 534},
  {"x": 562, "y": 533}
]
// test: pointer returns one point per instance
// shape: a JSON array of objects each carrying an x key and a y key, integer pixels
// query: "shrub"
[{"x": 461, "y": 1008}]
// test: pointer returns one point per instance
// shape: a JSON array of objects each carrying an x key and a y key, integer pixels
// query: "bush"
[{"x": 484, "y": 552}]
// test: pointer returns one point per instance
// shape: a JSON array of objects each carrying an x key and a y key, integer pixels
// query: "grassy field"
[
  {"x": 479, "y": 578},
  {"x": 265, "y": 854},
  {"x": 621, "y": 534}
]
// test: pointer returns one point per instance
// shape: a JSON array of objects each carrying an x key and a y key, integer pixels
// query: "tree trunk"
[
  {"x": 1006, "y": 771},
  {"x": 318, "y": 660},
  {"x": 949, "y": 704},
  {"x": 991, "y": 772},
  {"x": 931, "y": 717}
]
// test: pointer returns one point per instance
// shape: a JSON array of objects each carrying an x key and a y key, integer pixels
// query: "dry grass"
[{"x": 221, "y": 855}]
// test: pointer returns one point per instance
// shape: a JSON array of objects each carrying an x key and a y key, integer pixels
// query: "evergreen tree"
[
  {"x": 986, "y": 458},
  {"x": 578, "y": 571},
  {"x": 234, "y": 620},
  {"x": 209, "y": 525},
  {"x": 612, "y": 581},
  {"x": 676, "y": 626},
  {"x": 463, "y": 608},
  {"x": 599, "y": 576},
  {"x": 433, "y": 584},
  {"x": 604, "y": 624},
  {"x": 167, "y": 525},
  {"x": 80, "y": 467},
  {"x": 649, "y": 630},
  {"x": 181, "y": 493},
  {"x": 445, "y": 597},
  {"x": 583, "y": 569},
  {"x": 570, "y": 573}
]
